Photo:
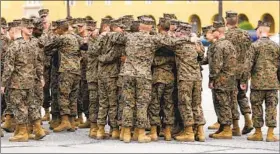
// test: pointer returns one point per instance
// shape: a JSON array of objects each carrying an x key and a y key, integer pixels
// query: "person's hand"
[
  {"x": 211, "y": 85},
  {"x": 123, "y": 58},
  {"x": 243, "y": 86},
  {"x": 2, "y": 90},
  {"x": 198, "y": 47},
  {"x": 42, "y": 82},
  {"x": 194, "y": 39}
]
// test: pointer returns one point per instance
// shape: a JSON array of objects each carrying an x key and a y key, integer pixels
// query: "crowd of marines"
[{"x": 135, "y": 76}]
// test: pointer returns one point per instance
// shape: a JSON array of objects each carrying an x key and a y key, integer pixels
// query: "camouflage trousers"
[
  {"x": 137, "y": 95},
  {"x": 120, "y": 105},
  {"x": 24, "y": 107},
  {"x": 83, "y": 98},
  {"x": 93, "y": 101},
  {"x": 8, "y": 106},
  {"x": 270, "y": 98},
  {"x": 68, "y": 93},
  {"x": 243, "y": 100},
  {"x": 38, "y": 93},
  {"x": 225, "y": 103},
  {"x": 46, "y": 89},
  {"x": 161, "y": 99},
  {"x": 55, "y": 110},
  {"x": 108, "y": 101},
  {"x": 190, "y": 103},
  {"x": 234, "y": 105}
]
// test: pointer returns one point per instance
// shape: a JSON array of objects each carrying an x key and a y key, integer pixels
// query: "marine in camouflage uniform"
[
  {"x": 108, "y": 71},
  {"x": 43, "y": 13},
  {"x": 162, "y": 89},
  {"x": 69, "y": 74},
  {"x": 222, "y": 79},
  {"x": 92, "y": 79},
  {"x": 263, "y": 63},
  {"x": 241, "y": 41},
  {"x": 189, "y": 86},
  {"x": 21, "y": 69}
]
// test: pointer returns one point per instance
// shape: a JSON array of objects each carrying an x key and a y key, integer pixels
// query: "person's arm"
[
  {"x": 216, "y": 64},
  {"x": 9, "y": 64},
  {"x": 250, "y": 60},
  {"x": 52, "y": 45}
]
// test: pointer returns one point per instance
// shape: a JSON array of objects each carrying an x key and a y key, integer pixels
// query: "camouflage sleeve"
[
  {"x": 200, "y": 52},
  {"x": 39, "y": 63},
  {"x": 54, "y": 43},
  {"x": 216, "y": 64},
  {"x": 167, "y": 41},
  {"x": 9, "y": 64},
  {"x": 119, "y": 38},
  {"x": 94, "y": 47},
  {"x": 109, "y": 57},
  {"x": 112, "y": 55},
  {"x": 251, "y": 57}
]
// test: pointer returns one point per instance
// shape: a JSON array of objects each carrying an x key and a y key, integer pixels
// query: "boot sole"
[
  {"x": 41, "y": 137},
  {"x": 222, "y": 137},
  {"x": 185, "y": 140},
  {"x": 236, "y": 134},
  {"x": 268, "y": 140},
  {"x": 255, "y": 140},
  {"x": 8, "y": 130}
]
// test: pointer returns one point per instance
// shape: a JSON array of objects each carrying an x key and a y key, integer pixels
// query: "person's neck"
[
  {"x": 17, "y": 35},
  {"x": 264, "y": 35},
  {"x": 26, "y": 37},
  {"x": 231, "y": 26}
]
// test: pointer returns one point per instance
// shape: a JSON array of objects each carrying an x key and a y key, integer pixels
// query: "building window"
[
  {"x": 108, "y": 2},
  {"x": 148, "y": 2},
  {"x": 71, "y": 3},
  {"x": 32, "y": 3},
  {"x": 128, "y": 2},
  {"x": 89, "y": 2}
]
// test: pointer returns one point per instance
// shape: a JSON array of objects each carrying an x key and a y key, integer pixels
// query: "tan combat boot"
[
  {"x": 167, "y": 133},
  {"x": 199, "y": 136},
  {"x": 216, "y": 125},
  {"x": 55, "y": 123},
  {"x": 121, "y": 134},
  {"x": 65, "y": 124},
  {"x": 73, "y": 125},
  {"x": 7, "y": 126},
  {"x": 236, "y": 128},
  {"x": 135, "y": 134},
  {"x": 47, "y": 115},
  {"x": 153, "y": 134},
  {"x": 270, "y": 135},
  {"x": 1, "y": 132},
  {"x": 31, "y": 136},
  {"x": 85, "y": 125},
  {"x": 93, "y": 130},
  {"x": 187, "y": 136},
  {"x": 143, "y": 138},
  {"x": 126, "y": 134},
  {"x": 38, "y": 131},
  {"x": 257, "y": 136},
  {"x": 116, "y": 133},
  {"x": 101, "y": 132},
  {"x": 79, "y": 120},
  {"x": 225, "y": 134},
  {"x": 22, "y": 135},
  {"x": 248, "y": 127},
  {"x": 221, "y": 128}
]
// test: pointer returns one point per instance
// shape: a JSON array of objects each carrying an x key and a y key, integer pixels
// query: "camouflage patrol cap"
[
  {"x": 184, "y": 26},
  {"x": 61, "y": 23},
  {"x": 218, "y": 24},
  {"x": 174, "y": 22},
  {"x": 145, "y": 20},
  {"x": 80, "y": 21},
  {"x": 14, "y": 24},
  {"x": 3, "y": 22},
  {"x": 105, "y": 21},
  {"x": 118, "y": 23},
  {"x": 27, "y": 23},
  {"x": 43, "y": 12},
  {"x": 164, "y": 23},
  {"x": 91, "y": 24},
  {"x": 169, "y": 16},
  {"x": 230, "y": 14},
  {"x": 71, "y": 21},
  {"x": 54, "y": 25},
  {"x": 161, "y": 20},
  {"x": 264, "y": 23},
  {"x": 128, "y": 17},
  {"x": 206, "y": 29},
  {"x": 38, "y": 23}
]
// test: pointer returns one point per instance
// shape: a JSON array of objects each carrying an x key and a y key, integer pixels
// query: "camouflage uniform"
[
  {"x": 69, "y": 71},
  {"x": 21, "y": 68},
  {"x": 92, "y": 79},
  {"x": 189, "y": 84},
  {"x": 108, "y": 70},
  {"x": 241, "y": 42},
  {"x": 5, "y": 105},
  {"x": 222, "y": 62},
  {"x": 263, "y": 62},
  {"x": 162, "y": 90},
  {"x": 138, "y": 76}
]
